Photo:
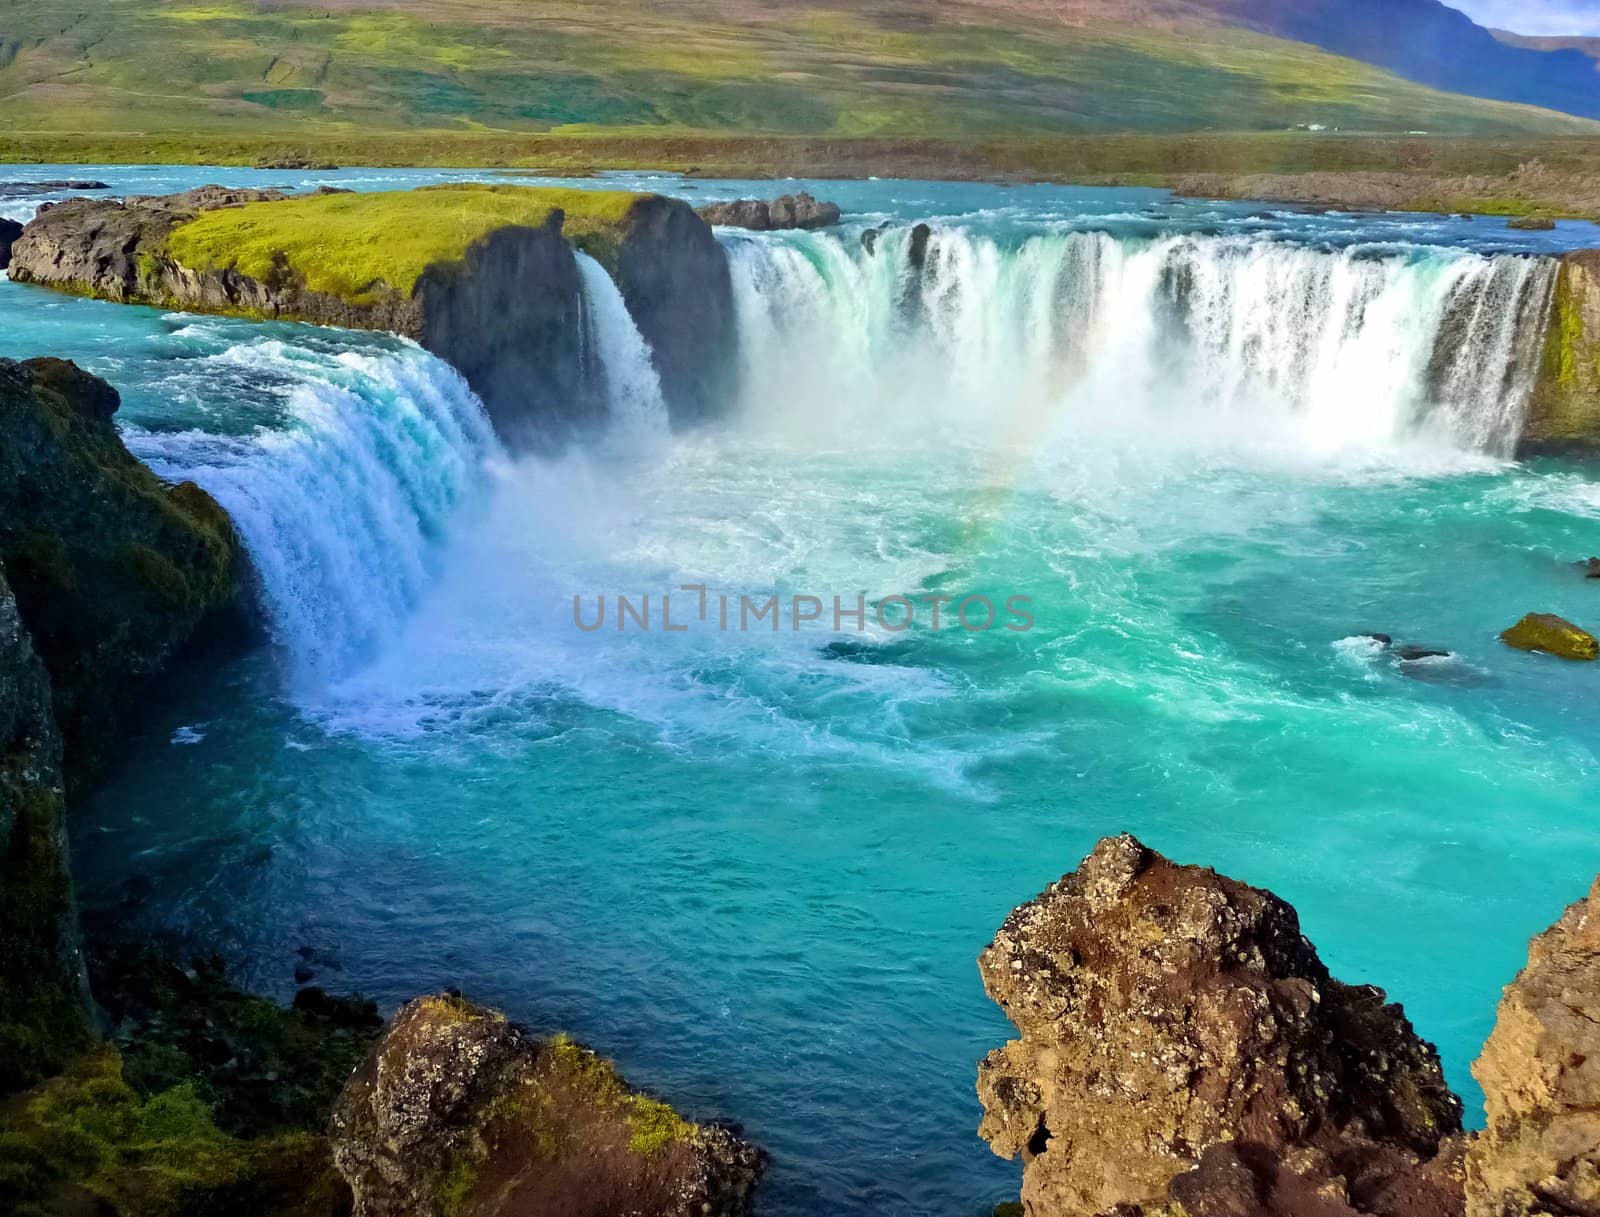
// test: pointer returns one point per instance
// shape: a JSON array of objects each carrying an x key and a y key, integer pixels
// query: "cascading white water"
[
  {"x": 346, "y": 508},
  {"x": 619, "y": 354},
  {"x": 1223, "y": 337}
]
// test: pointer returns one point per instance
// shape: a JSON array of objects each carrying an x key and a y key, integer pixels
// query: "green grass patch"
[{"x": 357, "y": 246}]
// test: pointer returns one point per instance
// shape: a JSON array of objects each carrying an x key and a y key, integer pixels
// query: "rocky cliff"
[
  {"x": 44, "y": 1018},
  {"x": 1183, "y": 1053},
  {"x": 114, "y": 572},
  {"x": 486, "y": 277},
  {"x": 106, "y": 576},
  {"x": 460, "y": 1113},
  {"x": 1564, "y": 411},
  {"x": 1164, "y": 1011},
  {"x": 10, "y": 230}
]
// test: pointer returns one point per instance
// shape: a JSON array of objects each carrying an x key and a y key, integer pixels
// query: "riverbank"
[{"x": 1558, "y": 176}]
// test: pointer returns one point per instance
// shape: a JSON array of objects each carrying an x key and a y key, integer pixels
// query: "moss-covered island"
[
  {"x": 357, "y": 247},
  {"x": 485, "y": 276}
]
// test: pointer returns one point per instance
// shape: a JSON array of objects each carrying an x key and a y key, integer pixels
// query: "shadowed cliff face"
[
  {"x": 509, "y": 318},
  {"x": 115, "y": 572},
  {"x": 674, "y": 276},
  {"x": 43, "y": 1017}
]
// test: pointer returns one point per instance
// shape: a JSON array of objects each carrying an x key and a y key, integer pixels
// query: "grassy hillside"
[{"x": 903, "y": 68}]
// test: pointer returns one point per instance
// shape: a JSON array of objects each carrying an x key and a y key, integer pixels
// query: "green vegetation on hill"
[
  {"x": 888, "y": 67},
  {"x": 350, "y": 245}
]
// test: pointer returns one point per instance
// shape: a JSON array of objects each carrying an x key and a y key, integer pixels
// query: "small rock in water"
[
  {"x": 1553, "y": 636},
  {"x": 1591, "y": 568},
  {"x": 1412, "y": 654},
  {"x": 303, "y": 975},
  {"x": 1532, "y": 224},
  {"x": 1381, "y": 639}
]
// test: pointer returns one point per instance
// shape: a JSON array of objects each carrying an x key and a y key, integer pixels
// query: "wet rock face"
[
  {"x": 1563, "y": 415},
  {"x": 1164, "y": 1010},
  {"x": 675, "y": 279},
  {"x": 10, "y": 230},
  {"x": 1540, "y": 1073},
  {"x": 522, "y": 350},
  {"x": 791, "y": 211},
  {"x": 115, "y": 573},
  {"x": 459, "y": 1113}
]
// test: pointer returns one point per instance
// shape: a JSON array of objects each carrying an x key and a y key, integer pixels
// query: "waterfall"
[
  {"x": 617, "y": 353},
  {"x": 1185, "y": 335},
  {"x": 346, "y": 507}
]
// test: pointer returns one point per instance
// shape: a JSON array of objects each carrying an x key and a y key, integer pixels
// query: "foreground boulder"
[
  {"x": 1176, "y": 1025},
  {"x": 486, "y": 277},
  {"x": 115, "y": 573},
  {"x": 1540, "y": 1073},
  {"x": 1563, "y": 415},
  {"x": 1552, "y": 635},
  {"x": 459, "y": 1113},
  {"x": 791, "y": 211}
]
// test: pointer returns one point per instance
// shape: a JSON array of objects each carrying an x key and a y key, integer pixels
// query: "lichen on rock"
[
  {"x": 1164, "y": 1011},
  {"x": 1563, "y": 414},
  {"x": 1540, "y": 1073},
  {"x": 458, "y": 1112}
]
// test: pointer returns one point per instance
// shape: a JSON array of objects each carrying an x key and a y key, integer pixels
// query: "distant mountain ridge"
[
  {"x": 1432, "y": 44},
  {"x": 1587, "y": 44},
  {"x": 903, "y": 68}
]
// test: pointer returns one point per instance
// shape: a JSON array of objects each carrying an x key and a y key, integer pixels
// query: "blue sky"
[{"x": 1534, "y": 16}]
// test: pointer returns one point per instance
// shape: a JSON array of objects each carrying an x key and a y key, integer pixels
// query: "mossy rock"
[
  {"x": 115, "y": 572},
  {"x": 86, "y": 1142},
  {"x": 1552, "y": 635},
  {"x": 460, "y": 1113}
]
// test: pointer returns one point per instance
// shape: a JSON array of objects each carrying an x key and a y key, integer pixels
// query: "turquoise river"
[{"x": 1212, "y": 445}]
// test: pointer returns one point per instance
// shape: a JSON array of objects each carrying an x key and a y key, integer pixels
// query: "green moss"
[
  {"x": 655, "y": 1126},
  {"x": 86, "y": 1142},
  {"x": 43, "y": 1023},
  {"x": 455, "y": 1185},
  {"x": 358, "y": 247}
]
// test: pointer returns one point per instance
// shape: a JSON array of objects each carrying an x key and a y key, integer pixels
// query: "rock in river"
[
  {"x": 790, "y": 211},
  {"x": 1552, "y": 635}
]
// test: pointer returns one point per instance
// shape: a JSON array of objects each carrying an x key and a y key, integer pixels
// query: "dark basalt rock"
[
  {"x": 1563, "y": 415},
  {"x": 1531, "y": 224},
  {"x": 1411, "y": 654},
  {"x": 115, "y": 573},
  {"x": 23, "y": 190},
  {"x": 1164, "y": 1010},
  {"x": 10, "y": 230},
  {"x": 1590, "y": 568},
  {"x": 674, "y": 277},
  {"x": 459, "y": 1113},
  {"x": 791, "y": 211},
  {"x": 520, "y": 346},
  {"x": 44, "y": 1012}
]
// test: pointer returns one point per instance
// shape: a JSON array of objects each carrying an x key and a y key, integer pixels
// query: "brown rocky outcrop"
[
  {"x": 790, "y": 211},
  {"x": 459, "y": 1112},
  {"x": 1540, "y": 1073},
  {"x": 1177, "y": 1032}
]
